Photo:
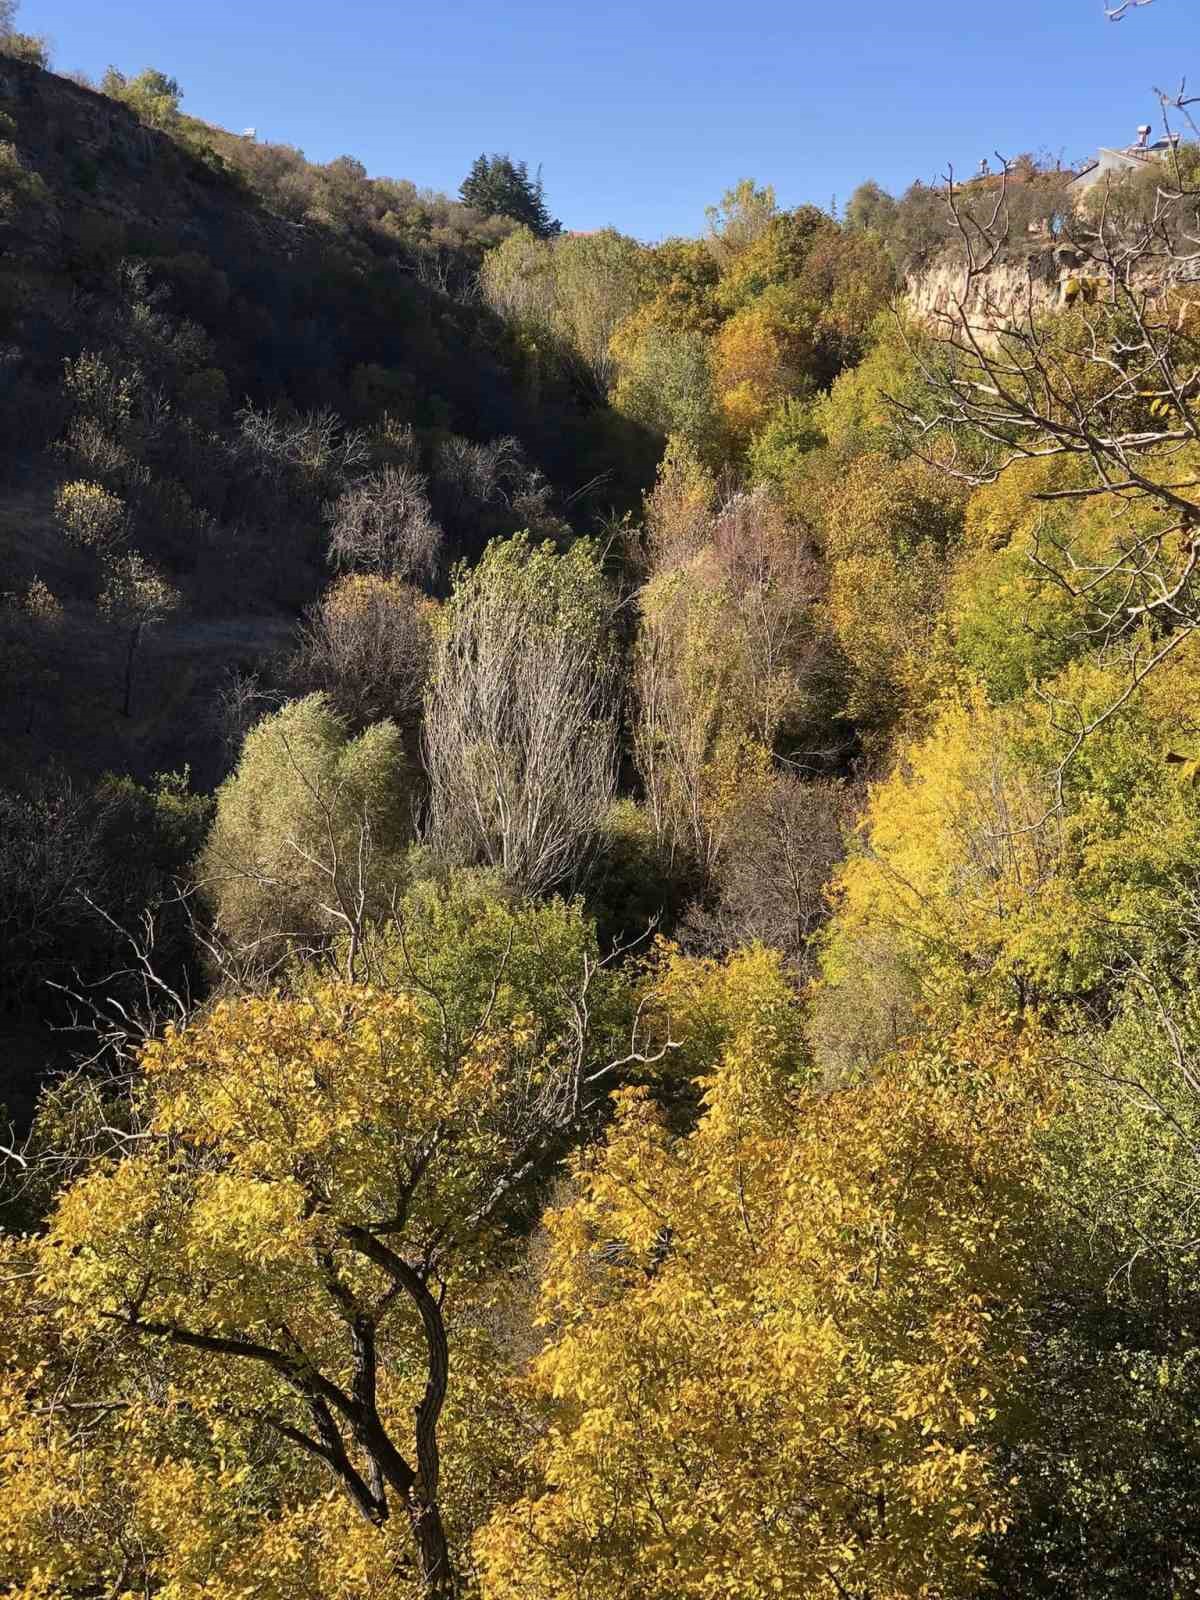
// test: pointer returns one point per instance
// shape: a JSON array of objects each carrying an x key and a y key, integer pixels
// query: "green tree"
[
  {"x": 497, "y": 186},
  {"x": 151, "y": 95},
  {"x": 309, "y": 833},
  {"x": 869, "y": 209}
]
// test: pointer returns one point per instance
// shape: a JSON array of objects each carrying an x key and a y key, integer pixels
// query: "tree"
[
  {"x": 890, "y": 528},
  {"x": 308, "y": 839},
  {"x": 777, "y": 1342},
  {"x": 152, "y": 95},
  {"x": 367, "y": 647},
  {"x": 743, "y": 216},
  {"x": 772, "y": 881},
  {"x": 728, "y": 660},
  {"x": 25, "y": 46},
  {"x": 520, "y": 715},
  {"x": 135, "y": 599},
  {"x": 383, "y": 525},
  {"x": 869, "y": 209},
  {"x": 763, "y": 353},
  {"x": 567, "y": 297},
  {"x": 774, "y": 256},
  {"x": 32, "y": 626},
  {"x": 991, "y": 870},
  {"x": 496, "y": 186},
  {"x": 90, "y": 516},
  {"x": 664, "y": 381},
  {"x": 49, "y": 851},
  {"x": 295, "y": 1241}
]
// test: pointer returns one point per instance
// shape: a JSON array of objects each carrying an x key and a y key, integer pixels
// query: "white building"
[{"x": 1115, "y": 162}]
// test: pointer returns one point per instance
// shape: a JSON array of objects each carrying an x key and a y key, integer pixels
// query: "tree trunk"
[
  {"x": 437, "y": 1570},
  {"x": 129, "y": 655}
]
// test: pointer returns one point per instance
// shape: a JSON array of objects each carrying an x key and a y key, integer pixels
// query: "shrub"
[
  {"x": 367, "y": 646},
  {"x": 383, "y": 525},
  {"x": 90, "y": 516},
  {"x": 309, "y": 832}
]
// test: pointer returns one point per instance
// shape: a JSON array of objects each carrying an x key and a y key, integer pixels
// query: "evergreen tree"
[{"x": 497, "y": 186}]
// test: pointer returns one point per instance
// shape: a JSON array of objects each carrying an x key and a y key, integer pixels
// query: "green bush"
[{"x": 310, "y": 831}]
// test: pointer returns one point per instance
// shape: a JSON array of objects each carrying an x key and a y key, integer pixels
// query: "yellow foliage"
[
  {"x": 778, "y": 1344},
  {"x": 887, "y": 526},
  {"x": 89, "y": 515},
  {"x": 985, "y": 867},
  {"x": 145, "y": 1447}
]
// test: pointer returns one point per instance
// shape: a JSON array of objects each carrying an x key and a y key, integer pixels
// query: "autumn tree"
[
  {"x": 730, "y": 660},
  {"x": 775, "y": 255},
  {"x": 25, "y": 46},
  {"x": 778, "y": 1343},
  {"x": 1105, "y": 377},
  {"x": 890, "y": 529},
  {"x": 90, "y": 516},
  {"x": 367, "y": 645},
  {"x": 520, "y": 714},
  {"x": 743, "y": 216},
  {"x": 1015, "y": 856},
  {"x": 294, "y": 1242}
]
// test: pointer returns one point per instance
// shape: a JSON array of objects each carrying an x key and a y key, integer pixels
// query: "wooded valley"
[{"x": 599, "y": 880}]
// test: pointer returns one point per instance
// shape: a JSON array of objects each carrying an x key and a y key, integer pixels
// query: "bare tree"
[
  {"x": 772, "y": 882},
  {"x": 383, "y": 524},
  {"x": 49, "y": 850},
  {"x": 520, "y": 718},
  {"x": 241, "y": 700},
  {"x": 307, "y": 455}
]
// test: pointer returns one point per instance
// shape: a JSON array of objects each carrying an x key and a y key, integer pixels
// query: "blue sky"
[{"x": 641, "y": 114}]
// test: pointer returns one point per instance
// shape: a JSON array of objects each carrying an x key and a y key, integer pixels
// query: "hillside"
[{"x": 152, "y": 252}]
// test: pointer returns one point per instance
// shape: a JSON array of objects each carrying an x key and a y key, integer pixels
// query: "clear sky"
[{"x": 641, "y": 114}]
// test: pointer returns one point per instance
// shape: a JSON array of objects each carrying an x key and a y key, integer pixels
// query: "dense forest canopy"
[{"x": 599, "y": 879}]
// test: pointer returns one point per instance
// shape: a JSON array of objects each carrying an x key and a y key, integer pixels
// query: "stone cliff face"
[
  {"x": 1007, "y": 292},
  {"x": 1034, "y": 282}
]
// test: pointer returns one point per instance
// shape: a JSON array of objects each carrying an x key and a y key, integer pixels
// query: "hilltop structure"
[{"x": 1116, "y": 162}]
